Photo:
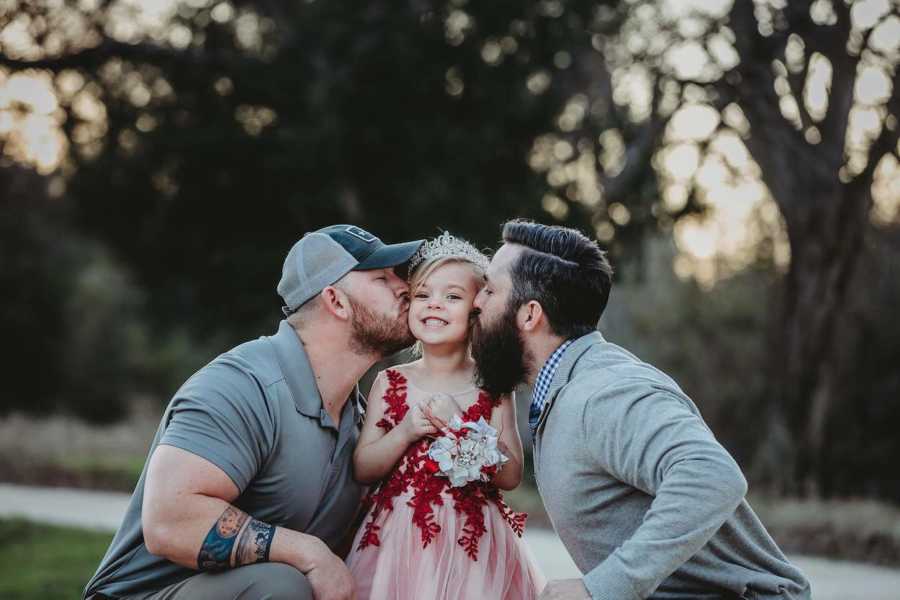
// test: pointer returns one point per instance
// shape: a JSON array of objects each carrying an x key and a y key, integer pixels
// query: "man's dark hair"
[{"x": 563, "y": 270}]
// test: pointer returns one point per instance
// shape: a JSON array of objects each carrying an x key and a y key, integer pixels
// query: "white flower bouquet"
[{"x": 466, "y": 452}]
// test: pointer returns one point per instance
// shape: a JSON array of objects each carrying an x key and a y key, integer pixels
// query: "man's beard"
[
  {"x": 499, "y": 353},
  {"x": 374, "y": 334}
]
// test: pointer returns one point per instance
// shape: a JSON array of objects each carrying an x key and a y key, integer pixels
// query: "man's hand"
[
  {"x": 329, "y": 577},
  {"x": 565, "y": 589}
]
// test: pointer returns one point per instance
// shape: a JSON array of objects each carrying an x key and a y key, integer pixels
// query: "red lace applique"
[
  {"x": 471, "y": 506},
  {"x": 395, "y": 398},
  {"x": 516, "y": 520},
  {"x": 426, "y": 494},
  {"x": 483, "y": 407},
  {"x": 416, "y": 471},
  {"x": 370, "y": 536}
]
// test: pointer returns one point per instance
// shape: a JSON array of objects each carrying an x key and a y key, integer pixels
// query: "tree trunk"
[
  {"x": 825, "y": 246},
  {"x": 826, "y": 220}
]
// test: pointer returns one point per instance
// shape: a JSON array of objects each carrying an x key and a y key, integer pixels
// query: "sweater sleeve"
[{"x": 654, "y": 440}]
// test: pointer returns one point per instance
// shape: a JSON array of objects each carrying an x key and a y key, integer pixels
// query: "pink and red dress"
[{"x": 423, "y": 539}]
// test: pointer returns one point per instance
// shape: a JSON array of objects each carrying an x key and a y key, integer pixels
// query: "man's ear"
[
  {"x": 530, "y": 316},
  {"x": 336, "y": 302}
]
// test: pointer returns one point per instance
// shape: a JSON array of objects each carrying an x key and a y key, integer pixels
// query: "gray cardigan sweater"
[{"x": 644, "y": 498}]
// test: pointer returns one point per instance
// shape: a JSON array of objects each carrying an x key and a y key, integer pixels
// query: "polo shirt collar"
[
  {"x": 298, "y": 373},
  {"x": 301, "y": 380}
]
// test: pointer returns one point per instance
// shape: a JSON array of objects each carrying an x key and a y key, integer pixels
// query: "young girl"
[{"x": 422, "y": 538}]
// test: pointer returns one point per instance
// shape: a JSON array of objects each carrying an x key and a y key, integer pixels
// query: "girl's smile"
[{"x": 441, "y": 304}]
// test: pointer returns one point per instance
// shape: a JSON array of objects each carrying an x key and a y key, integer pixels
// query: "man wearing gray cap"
[{"x": 248, "y": 487}]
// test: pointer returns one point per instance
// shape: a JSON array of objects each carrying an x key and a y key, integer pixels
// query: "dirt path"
[{"x": 102, "y": 511}]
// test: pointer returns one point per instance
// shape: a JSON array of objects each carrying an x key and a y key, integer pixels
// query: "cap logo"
[{"x": 361, "y": 234}]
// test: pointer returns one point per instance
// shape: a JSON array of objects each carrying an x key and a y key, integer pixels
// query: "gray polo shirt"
[{"x": 255, "y": 412}]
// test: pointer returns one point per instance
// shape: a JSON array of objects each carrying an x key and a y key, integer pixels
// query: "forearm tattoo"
[
  {"x": 235, "y": 539},
  {"x": 254, "y": 543}
]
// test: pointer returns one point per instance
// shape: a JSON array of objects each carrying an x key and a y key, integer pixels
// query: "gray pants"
[{"x": 260, "y": 581}]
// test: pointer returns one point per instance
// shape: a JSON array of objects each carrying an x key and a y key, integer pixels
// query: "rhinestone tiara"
[{"x": 448, "y": 246}]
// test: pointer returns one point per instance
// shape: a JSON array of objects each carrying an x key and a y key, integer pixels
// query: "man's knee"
[
  {"x": 261, "y": 581},
  {"x": 278, "y": 581}
]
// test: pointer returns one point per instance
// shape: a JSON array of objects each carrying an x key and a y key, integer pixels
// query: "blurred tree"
[
  {"x": 33, "y": 277},
  {"x": 860, "y": 440},
  {"x": 204, "y": 143},
  {"x": 69, "y": 315},
  {"x": 102, "y": 338},
  {"x": 817, "y": 140},
  {"x": 205, "y": 138},
  {"x": 811, "y": 90},
  {"x": 712, "y": 341}
]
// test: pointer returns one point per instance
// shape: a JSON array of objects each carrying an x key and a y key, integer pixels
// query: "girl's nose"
[{"x": 479, "y": 300}]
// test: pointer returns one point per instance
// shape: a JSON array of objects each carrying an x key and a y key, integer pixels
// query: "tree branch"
[
  {"x": 773, "y": 141},
  {"x": 797, "y": 83},
  {"x": 93, "y": 58},
  {"x": 843, "y": 80},
  {"x": 639, "y": 152}
]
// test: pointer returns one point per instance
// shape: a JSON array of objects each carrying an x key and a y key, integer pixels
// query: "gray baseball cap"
[{"x": 323, "y": 256}]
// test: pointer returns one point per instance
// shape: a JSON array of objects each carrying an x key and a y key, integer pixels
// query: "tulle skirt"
[{"x": 401, "y": 569}]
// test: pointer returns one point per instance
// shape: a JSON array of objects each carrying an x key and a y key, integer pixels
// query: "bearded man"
[
  {"x": 248, "y": 489},
  {"x": 644, "y": 498}
]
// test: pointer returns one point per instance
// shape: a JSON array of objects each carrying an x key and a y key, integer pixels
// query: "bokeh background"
[{"x": 738, "y": 159}]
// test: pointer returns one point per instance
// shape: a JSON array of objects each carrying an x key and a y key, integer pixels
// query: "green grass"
[{"x": 43, "y": 561}]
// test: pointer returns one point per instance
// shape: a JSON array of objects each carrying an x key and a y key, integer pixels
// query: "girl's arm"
[
  {"x": 510, "y": 443},
  {"x": 377, "y": 452}
]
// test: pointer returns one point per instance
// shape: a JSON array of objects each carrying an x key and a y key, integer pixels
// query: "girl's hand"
[
  {"x": 416, "y": 424},
  {"x": 440, "y": 408}
]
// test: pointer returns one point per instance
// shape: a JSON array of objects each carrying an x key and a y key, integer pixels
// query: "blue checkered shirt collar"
[{"x": 542, "y": 384}]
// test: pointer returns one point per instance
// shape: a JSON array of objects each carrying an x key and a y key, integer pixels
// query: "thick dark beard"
[
  {"x": 499, "y": 353},
  {"x": 374, "y": 334}
]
